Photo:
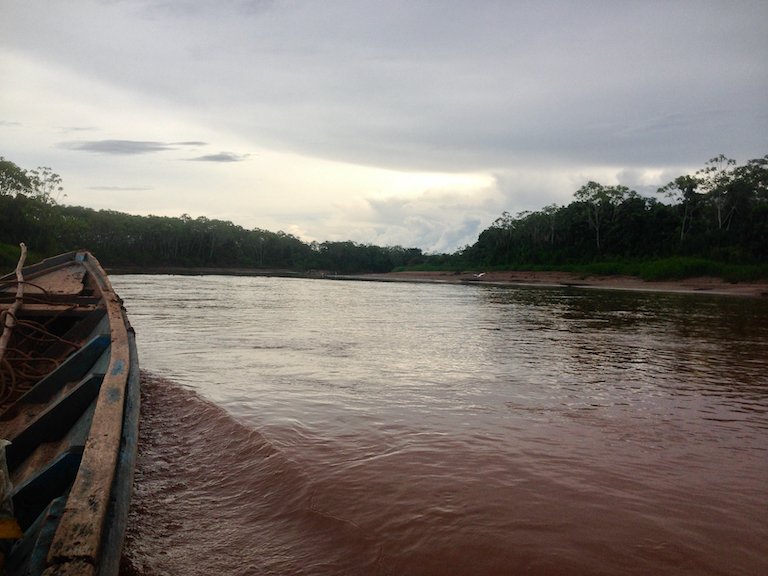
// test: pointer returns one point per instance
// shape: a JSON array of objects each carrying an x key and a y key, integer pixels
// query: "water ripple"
[{"x": 363, "y": 428}]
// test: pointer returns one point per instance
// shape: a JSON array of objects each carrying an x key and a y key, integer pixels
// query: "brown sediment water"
[
  {"x": 213, "y": 496},
  {"x": 299, "y": 427}
]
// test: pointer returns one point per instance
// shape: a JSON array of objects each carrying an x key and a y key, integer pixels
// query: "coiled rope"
[{"x": 20, "y": 367}]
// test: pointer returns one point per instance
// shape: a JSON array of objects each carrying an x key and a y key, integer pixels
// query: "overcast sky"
[{"x": 391, "y": 122}]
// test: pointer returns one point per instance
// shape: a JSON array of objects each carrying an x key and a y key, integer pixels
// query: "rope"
[
  {"x": 7, "y": 389},
  {"x": 24, "y": 363}
]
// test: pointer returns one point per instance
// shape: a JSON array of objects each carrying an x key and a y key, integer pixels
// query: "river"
[{"x": 294, "y": 426}]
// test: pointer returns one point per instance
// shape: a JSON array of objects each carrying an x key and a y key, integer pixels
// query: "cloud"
[
  {"x": 120, "y": 147},
  {"x": 221, "y": 157},
  {"x": 436, "y": 221},
  {"x": 417, "y": 87},
  {"x": 336, "y": 97},
  {"x": 76, "y": 129},
  {"x": 120, "y": 188}
]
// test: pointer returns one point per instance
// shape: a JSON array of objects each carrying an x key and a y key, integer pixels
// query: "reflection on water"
[{"x": 456, "y": 429}]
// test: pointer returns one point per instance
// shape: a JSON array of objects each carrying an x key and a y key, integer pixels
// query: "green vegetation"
[
  {"x": 30, "y": 213},
  {"x": 9, "y": 255},
  {"x": 714, "y": 223},
  {"x": 675, "y": 268}
]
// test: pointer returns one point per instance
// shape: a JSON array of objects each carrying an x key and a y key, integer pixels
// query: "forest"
[{"x": 719, "y": 214}]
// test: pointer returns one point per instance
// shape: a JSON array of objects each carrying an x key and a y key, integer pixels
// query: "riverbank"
[
  {"x": 551, "y": 278},
  {"x": 708, "y": 285}
]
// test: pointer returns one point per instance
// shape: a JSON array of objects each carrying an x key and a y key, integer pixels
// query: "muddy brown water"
[{"x": 316, "y": 427}]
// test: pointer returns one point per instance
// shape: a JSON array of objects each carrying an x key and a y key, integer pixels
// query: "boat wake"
[{"x": 212, "y": 496}]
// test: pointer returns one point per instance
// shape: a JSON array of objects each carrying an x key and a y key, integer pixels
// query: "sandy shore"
[
  {"x": 511, "y": 278},
  {"x": 503, "y": 278}
]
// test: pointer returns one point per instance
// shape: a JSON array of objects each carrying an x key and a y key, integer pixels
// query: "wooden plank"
[
  {"x": 30, "y": 552},
  {"x": 123, "y": 486},
  {"x": 9, "y": 318},
  {"x": 54, "y": 309},
  {"x": 65, "y": 280},
  {"x": 44, "y": 266},
  {"x": 51, "y": 482},
  {"x": 37, "y": 298},
  {"x": 53, "y": 422},
  {"x": 80, "y": 332},
  {"x": 78, "y": 536},
  {"x": 71, "y": 370},
  {"x": 46, "y": 453},
  {"x": 73, "y": 568}
]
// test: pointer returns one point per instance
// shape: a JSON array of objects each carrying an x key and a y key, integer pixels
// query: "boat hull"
[{"x": 69, "y": 394}]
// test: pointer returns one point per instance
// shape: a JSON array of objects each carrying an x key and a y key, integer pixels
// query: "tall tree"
[
  {"x": 13, "y": 179},
  {"x": 683, "y": 190},
  {"x": 715, "y": 180},
  {"x": 600, "y": 204}
]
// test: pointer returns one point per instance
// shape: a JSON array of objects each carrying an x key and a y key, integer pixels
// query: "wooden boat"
[{"x": 69, "y": 402}]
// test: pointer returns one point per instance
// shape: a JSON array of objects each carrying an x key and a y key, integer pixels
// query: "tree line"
[
  {"x": 720, "y": 212},
  {"x": 30, "y": 212}
]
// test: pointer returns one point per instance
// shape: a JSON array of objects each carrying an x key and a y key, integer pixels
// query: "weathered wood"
[
  {"x": 72, "y": 370},
  {"x": 33, "y": 295},
  {"x": 66, "y": 280},
  {"x": 53, "y": 423},
  {"x": 30, "y": 498},
  {"x": 49, "y": 265},
  {"x": 78, "y": 334},
  {"x": 78, "y": 535},
  {"x": 43, "y": 456},
  {"x": 9, "y": 316},
  {"x": 29, "y": 553},
  {"x": 57, "y": 309},
  {"x": 71, "y": 568},
  {"x": 123, "y": 485},
  {"x": 75, "y": 428}
]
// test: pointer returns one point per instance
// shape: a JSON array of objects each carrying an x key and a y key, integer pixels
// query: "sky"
[{"x": 412, "y": 123}]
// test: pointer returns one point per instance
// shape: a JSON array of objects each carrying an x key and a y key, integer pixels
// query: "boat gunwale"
[{"x": 78, "y": 536}]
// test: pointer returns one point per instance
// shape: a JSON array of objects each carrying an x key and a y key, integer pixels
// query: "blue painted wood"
[
  {"x": 50, "y": 427},
  {"x": 71, "y": 370},
  {"x": 54, "y": 422},
  {"x": 117, "y": 514},
  {"x": 32, "y": 497},
  {"x": 82, "y": 330},
  {"x": 29, "y": 554}
]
